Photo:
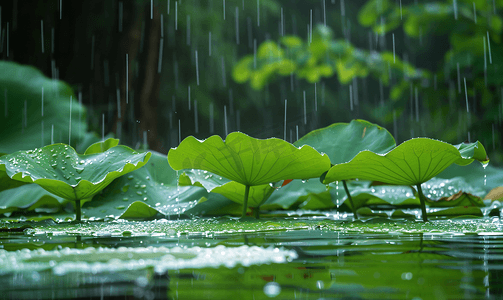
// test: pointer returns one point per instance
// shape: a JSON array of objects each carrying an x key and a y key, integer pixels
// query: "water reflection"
[{"x": 330, "y": 265}]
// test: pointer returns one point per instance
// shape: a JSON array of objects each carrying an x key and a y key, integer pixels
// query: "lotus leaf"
[
  {"x": 411, "y": 163},
  {"x": 45, "y": 103},
  {"x": 60, "y": 170},
  {"x": 235, "y": 191},
  {"x": 153, "y": 186},
  {"x": 29, "y": 197},
  {"x": 343, "y": 141},
  {"x": 247, "y": 160}
]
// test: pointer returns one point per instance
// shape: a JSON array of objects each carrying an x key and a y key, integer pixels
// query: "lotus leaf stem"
[
  {"x": 245, "y": 203},
  {"x": 422, "y": 199},
  {"x": 350, "y": 199},
  {"x": 78, "y": 214},
  {"x": 256, "y": 212}
]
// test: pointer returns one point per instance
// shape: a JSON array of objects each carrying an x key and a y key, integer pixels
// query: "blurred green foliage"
[{"x": 442, "y": 74}]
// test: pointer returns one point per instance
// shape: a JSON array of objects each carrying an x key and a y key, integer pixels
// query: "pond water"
[{"x": 313, "y": 259}]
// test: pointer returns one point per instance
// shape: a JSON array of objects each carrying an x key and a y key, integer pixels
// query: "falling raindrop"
[
  {"x": 188, "y": 93},
  {"x": 127, "y": 78},
  {"x": 121, "y": 13},
  {"x": 474, "y": 13},
  {"x": 42, "y": 33},
  {"x": 284, "y": 133},
  {"x": 188, "y": 30},
  {"x": 305, "y": 110},
  {"x": 466, "y": 96},
  {"x": 176, "y": 15},
  {"x": 237, "y": 25},
  {"x": 212, "y": 123},
  {"x": 161, "y": 46},
  {"x": 489, "y": 48},
  {"x": 258, "y": 13},
  {"x": 209, "y": 43},
  {"x": 196, "y": 121},
  {"x": 455, "y": 8},
  {"x": 459, "y": 78},
  {"x": 225, "y": 120},
  {"x": 197, "y": 68}
]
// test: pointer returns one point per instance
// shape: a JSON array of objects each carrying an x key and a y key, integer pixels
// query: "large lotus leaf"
[
  {"x": 148, "y": 191},
  {"x": 235, "y": 191},
  {"x": 61, "y": 171},
  {"x": 21, "y": 93},
  {"x": 29, "y": 197},
  {"x": 413, "y": 162},
  {"x": 247, "y": 160},
  {"x": 343, "y": 141}
]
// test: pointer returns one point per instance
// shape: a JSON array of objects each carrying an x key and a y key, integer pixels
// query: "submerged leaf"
[
  {"x": 61, "y": 171},
  {"x": 247, "y": 160},
  {"x": 413, "y": 162}
]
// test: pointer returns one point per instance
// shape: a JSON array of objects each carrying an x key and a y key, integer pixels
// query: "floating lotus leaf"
[
  {"x": 247, "y": 160},
  {"x": 413, "y": 162},
  {"x": 60, "y": 170}
]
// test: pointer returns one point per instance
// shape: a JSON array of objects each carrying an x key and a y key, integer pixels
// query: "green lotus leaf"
[
  {"x": 60, "y": 170},
  {"x": 235, "y": 191},
  {"x": 293, "y": 194},
  {"x": 411, "y": 163},
  {"x": 35, "y": 105},
  {"x": 7, "y": 183},
  {"x": 155, "y": 186},
  {"x": 29, "y": 197},
  {"x": 202, "y": 178},
  {"x": 102, "y": 146},
  {"x": 487, "y": 177},
  {"x": 437, "y": 188},
  {"x": 343, "y": 141},
  {"x": 458, "y": 211},
  {"x": 247, "y": 160},
  {"x": 322, "y": 200}
]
